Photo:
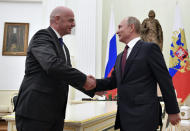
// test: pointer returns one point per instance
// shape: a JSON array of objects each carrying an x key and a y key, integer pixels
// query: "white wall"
[
  {"x": 164, "y": 10},
  {"x": 12, "y": 67}
]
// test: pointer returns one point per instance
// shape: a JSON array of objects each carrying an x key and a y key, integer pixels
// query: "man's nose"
[{"x": 73, "y": 24}]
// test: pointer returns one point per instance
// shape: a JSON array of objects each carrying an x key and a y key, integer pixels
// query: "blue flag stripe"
[{"x": 112, "y": 56}]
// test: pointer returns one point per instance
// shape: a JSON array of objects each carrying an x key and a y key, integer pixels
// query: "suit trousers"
[{"x": 27, "y": 124}]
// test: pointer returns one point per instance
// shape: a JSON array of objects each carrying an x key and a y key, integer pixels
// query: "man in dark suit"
[
  {"x": 136, "y": 73},
  {"x": 42, "y": 98}
]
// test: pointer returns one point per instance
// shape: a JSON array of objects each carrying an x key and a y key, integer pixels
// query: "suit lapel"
[
  {"x": 58, "y": 46},
  {"x": 67, "y": 54},
  {"x": 131, "y": 57},
  {"x": 118, "y": 64}
]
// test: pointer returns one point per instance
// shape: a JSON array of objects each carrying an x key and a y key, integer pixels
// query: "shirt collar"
[
  {"x": 132, "y": 43},
  {"x": 57, "y": 34}
]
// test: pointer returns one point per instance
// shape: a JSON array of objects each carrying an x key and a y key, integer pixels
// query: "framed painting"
[{"x": 15, "y": 40}]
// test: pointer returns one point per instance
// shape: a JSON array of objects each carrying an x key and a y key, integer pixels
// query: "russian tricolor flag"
[{"x": 111, "y": 54}]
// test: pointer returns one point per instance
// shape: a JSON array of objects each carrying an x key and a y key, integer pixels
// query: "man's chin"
[
  {"x": 120, "y": 40},
  {"x": 69, "y": 32}
]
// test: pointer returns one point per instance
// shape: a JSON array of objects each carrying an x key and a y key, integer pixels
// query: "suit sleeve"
[
  {"x": 160, "y": 71},
  {"x": 43, "y": 49},
  {"x": 107, "y": 83}
]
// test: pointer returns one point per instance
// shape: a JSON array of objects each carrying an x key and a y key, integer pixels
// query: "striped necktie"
[{"x": 123, "y": 61}]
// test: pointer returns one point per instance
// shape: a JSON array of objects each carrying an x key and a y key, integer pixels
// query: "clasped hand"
[{"x": 90, "y": 83}]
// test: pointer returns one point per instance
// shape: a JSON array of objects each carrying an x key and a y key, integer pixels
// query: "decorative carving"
[{"x": 151, "y": 30}]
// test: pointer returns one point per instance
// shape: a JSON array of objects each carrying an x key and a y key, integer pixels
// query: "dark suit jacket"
[
  {"x": 44, "y": 90},
  {"x": 138, "y": 105}
]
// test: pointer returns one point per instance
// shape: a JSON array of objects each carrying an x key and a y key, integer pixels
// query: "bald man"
[{"x": 43, "y": 94}]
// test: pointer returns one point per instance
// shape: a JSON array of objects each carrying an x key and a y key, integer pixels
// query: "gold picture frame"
[{"x": 15, "y": 40}]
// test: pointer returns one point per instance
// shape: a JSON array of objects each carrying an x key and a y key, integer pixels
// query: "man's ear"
[
  {"x": 132, "y": 27},
  {"x": 57, "y": 19}
]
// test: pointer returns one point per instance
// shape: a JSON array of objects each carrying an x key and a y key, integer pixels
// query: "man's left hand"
[{"x": 174, "y": 118}]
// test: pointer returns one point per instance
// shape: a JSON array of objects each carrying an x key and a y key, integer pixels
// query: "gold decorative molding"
[
  {"x": 93, "y": 118},
  {"x": 105, "y": 126},
  {"x": 69, "y": 128},
  {"x": 98, "y": 122}
]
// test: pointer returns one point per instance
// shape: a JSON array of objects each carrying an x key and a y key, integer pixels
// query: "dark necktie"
[
  {"x": 123, "y": 61},
  {"x": 62, "y": 45},
  {"x": 61, "y": 41}
]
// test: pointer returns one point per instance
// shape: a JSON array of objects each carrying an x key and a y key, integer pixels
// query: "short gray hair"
[{"x": 136, "y": 22}]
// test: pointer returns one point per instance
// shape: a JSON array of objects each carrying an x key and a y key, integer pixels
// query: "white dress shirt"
[
  {"x": 59, "y": 36},
  {"x": 131, "y": 44}
]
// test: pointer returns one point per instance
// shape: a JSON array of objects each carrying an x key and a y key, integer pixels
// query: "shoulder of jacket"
[
  {"x": 42, "y": 34},
  {"x": 147, "y": 45},
  {"x": 151, "y": 46}
]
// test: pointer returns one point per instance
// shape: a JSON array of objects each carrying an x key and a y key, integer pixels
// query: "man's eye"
[{"x": 71, "y": 20}]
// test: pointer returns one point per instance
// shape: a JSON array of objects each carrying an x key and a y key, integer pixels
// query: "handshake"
[{"x": 91, "y": 84}]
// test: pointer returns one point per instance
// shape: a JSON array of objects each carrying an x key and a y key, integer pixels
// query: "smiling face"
[
  {"x": 124, "y": 31},
  {"x": 62, "y": 20},
  {"x": 65, "y": 23}
]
